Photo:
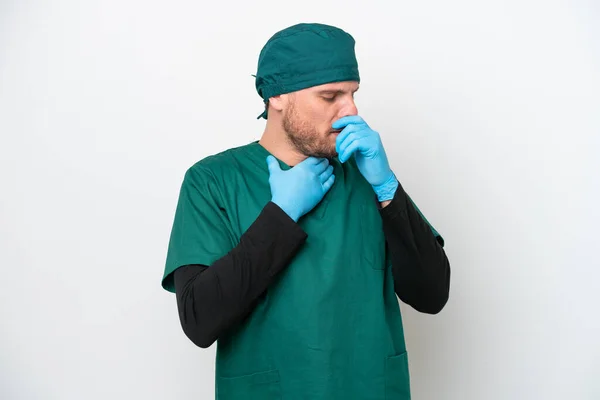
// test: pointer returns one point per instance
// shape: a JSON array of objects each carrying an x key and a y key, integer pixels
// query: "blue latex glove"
[
  {"x": 299, "y": 189},
  {"x": 359, "y": 139}
]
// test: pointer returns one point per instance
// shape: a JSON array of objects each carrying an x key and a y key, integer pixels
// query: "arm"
[
  {"x": 420, "y": 266},
  {"x": 212, "y": 300},
  {"x": 219, "y": 280}
]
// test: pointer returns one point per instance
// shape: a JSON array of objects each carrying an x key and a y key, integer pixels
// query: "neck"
[{"x": 275, "y": 141}]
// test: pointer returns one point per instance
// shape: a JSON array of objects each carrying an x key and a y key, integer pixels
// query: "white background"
[{"x": 490, "y": 114}]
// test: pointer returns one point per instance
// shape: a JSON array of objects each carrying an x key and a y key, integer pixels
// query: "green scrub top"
[{"x": 329, "y": 327}]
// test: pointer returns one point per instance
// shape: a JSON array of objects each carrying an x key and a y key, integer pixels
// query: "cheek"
[
  {"x": 311, "y": 118},
  {"x": 322, "y": 117}
]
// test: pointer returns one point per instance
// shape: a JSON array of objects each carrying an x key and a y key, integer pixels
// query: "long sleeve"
[
  {"x": 213, "y": 299},
  {"x": 420, "y": 267}
]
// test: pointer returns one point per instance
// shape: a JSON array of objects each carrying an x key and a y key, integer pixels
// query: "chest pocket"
[{"x": 373, "y": 239}]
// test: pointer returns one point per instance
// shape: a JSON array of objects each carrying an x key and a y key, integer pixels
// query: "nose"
[{"x": 349, "y": 108}]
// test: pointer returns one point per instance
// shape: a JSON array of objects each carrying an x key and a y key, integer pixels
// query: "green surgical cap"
[{"x": 302, "y": 56}]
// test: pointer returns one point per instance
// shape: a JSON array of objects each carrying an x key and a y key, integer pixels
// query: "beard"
[{"x": 305, "y": 137}]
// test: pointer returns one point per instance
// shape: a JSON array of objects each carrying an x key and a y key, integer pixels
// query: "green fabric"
[
  {"x": 330, "y": 326},
  {"x": 302, "y": 56}
]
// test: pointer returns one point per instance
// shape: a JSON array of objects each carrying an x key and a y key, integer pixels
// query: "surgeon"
[{"x": 289, "y": 251}]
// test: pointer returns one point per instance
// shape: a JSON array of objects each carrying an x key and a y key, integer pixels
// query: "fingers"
[
  {"x": 347, "y": 141},
  {"x": 315, "y": 165},
  {"x": 321, "y": 166},
  {"x": 344, "y": 134},
  {"x": 351, "y": 119},
  {"x": 326, "y": 174},
  {"x": 348, "y": 150},
  {"x": 312, "y": 161},
  {"x": 329, "y": 183},
  {"x": 273, "y": 165}
]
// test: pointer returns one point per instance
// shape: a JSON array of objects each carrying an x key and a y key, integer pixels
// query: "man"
[{"x": 290, "y": 251}]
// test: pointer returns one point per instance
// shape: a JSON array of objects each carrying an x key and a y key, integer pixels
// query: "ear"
[
  {"x": 277, "y": 102},
  {"x": 280, "y": 102}
]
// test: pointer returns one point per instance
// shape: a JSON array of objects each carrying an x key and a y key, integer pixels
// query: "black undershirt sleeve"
[
  {"x": 420, "y": 267},
  {"x": 211, "y": 300}
]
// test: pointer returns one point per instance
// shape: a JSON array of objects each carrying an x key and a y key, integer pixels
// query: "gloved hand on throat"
[
  {"x": 299, "y": 189},
  {"x": 359, "y": 139}
]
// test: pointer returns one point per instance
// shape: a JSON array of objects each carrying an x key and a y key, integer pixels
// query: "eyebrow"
[{"x": 331, "y": 91}]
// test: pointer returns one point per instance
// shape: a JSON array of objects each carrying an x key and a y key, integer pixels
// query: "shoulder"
[{"x": 217, "y": 167}]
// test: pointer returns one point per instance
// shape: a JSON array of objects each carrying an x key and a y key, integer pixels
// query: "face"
[{"x": 309, "y": 114}]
